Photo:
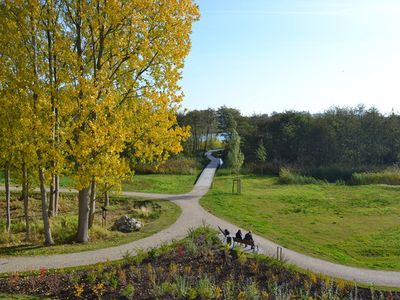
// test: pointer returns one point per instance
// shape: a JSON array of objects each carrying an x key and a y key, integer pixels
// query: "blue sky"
[{"x": 262, "y": 56}]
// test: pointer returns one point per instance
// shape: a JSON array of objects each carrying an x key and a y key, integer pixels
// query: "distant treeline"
[{"x": 341, "y": 140}]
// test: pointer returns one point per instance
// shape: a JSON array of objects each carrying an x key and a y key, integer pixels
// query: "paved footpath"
[{"x": 193, "y": 215}]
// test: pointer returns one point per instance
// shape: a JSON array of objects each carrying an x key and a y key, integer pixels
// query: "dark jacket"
[{"x": 248, "y": 236}]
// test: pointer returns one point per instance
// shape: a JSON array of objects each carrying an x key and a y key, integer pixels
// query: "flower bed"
[{"x": 198, "y": 267}]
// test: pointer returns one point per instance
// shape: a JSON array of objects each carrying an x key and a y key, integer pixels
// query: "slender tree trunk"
[
  {"x": 83, "y": 216},
  {"x": 51, "y": 197},
  {"x": 106, "y": 199},
  {"x": 43, "y": 196},
  {"x": 46, "y": 224},
  {"x": 25, "y": 197},
  {"x": 194, "y": 141},
  {"x": 56, "y": 193},
  {"x": 206, "y": 141},
  {"x": 83, "y": 195},
  {"x": 92, "y": 202},
  {"x": 50, "y": 36},
  {"x": 8, "y": 199}
]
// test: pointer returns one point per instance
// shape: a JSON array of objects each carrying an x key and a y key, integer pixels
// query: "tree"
[
  {"x": 203, "y": 129},
  {"x": 261, "y": 153},
  {"x": 235, "y": 157},
  {"x": 227, "y": 119},
  {"x": 125, "y": 60}
]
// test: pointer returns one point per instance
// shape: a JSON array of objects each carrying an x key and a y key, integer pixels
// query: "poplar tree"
[
  {"x": 125, "y": 61},
  {"x": 91, "y": 80},
  {"x": 235, "y": 156}
]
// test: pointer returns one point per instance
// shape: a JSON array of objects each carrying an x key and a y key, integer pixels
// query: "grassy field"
[
  {"x": 160, "y": 183},
  {"x": 154, "y": 214},
  {"x": 154, "y": 183},
  {"x": 353, "y": 225}
]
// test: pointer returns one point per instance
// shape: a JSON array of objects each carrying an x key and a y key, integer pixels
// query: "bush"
[
  {"x": 64, "y": 228},
  {"x": 389, "y": 176},
  {"x": 288, "y": 177}
]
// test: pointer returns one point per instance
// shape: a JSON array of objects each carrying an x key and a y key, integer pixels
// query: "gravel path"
[{"x": 193, "y": 215}]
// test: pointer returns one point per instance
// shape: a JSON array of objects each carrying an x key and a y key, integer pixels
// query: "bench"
[
  {"x": 245, "y": 242},
  {"x": 232, "y": 240}
]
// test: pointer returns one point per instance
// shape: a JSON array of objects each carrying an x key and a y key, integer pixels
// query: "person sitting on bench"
[
  {"x": 228, "y": 238},
  {"x": 239, "y": 235},
  {"x": 249, "y": 237}
]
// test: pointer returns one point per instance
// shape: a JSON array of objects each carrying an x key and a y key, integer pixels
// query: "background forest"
[{"x": 329, "y": 146}]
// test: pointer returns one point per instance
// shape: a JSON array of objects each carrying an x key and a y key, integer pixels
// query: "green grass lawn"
[
  {"x": 353, "y": 225},
  {"x": 160, "y": 183},
  {"x": 152, "y": 183}
]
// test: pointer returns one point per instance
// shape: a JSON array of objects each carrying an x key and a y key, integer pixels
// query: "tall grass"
[
  {"x": 286, "y": 176},
  {"x": 389, "y": 176}
]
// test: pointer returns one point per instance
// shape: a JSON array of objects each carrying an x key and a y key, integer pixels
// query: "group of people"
[{"x": 247, "y": 237}]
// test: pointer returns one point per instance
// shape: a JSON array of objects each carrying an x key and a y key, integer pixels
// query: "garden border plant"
[{"x": 196, "y": 267}]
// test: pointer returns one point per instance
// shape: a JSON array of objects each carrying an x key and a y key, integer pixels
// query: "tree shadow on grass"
[{"x": 12, "y": 250}]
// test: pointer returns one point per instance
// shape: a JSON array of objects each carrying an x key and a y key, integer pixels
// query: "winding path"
[{"x": 193, "y": 215}]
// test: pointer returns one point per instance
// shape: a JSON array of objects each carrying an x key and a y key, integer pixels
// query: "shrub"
[
  {"x": 182, "y": 286},
  {"x": 205, "y": 288},
  {"x": 128, "y": 291},
  {"x": 164, "y": 290},
  {"x": 288, "y": 177},
  {"x": 229, "y": 289},
  {"x": 251, "y": 291},
  {"x": 64, "y": 228}
]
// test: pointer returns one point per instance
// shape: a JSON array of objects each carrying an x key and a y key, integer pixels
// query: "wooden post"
[{"x": 237, "y": 183}]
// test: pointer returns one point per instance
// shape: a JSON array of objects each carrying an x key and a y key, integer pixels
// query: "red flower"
[{"x": 42, "y": 271}]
